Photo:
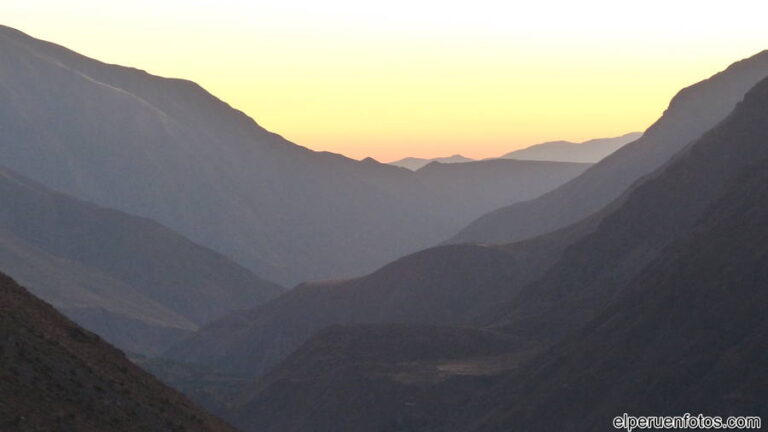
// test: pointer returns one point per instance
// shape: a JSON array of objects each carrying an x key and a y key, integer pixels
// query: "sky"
[{"x": 400, "y": 78}]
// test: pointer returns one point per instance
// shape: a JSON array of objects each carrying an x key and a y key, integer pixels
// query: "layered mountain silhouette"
[
  {"x": 133, "y": 281},
  {"x": 591, "y": 151},
  {"x": 691, "y": 112},
  {"x": 689, "y": 332},
  {"x": 456, "y": 285},
  {"x": 414, "y": 163},
  {"x": 57, "y": 376},
  {"x": 633, "y": 285},
  {"x": 167, "y": 150},
  {"x": 654, "y": 307}
]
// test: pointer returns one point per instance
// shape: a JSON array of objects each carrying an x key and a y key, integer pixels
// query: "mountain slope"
[
  {"x": 655, "y": 307},
  {"x": 692, "y": 112},
  {"x": 470, "y": 285},
  {"x": 414, "y": 163},
  {"x": 133, "y": 281},
  {"x": 591, "y": 151},
  {"x": 167, "y": 150},
  {"x": 57, "y": 376},
  {"x": 689, "y": 333}
]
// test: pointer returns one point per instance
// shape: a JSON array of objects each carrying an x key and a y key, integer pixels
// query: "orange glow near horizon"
[{"x": 422, "y": 79}]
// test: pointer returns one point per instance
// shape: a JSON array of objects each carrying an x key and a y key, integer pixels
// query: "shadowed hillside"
[
  {"x": 689, "y": 333},
  {"x": 55, "y": 375},
  {"x": 136, "y": 283},
  {"x": 370, "y": 378}
]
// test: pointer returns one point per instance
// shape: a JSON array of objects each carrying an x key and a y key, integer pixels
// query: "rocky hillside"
[{"x": 55, "y": 375}]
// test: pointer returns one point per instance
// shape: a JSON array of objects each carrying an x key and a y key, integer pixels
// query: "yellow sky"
[{"x": 418, "y": 78}]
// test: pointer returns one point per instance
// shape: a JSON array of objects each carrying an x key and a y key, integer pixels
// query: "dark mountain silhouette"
[
  {"x": 55, "y": 375},
  {"x": 691, "y": 112},
  {"x": 591, "y": 151},
  {"x": 167, "y": 150},
  {"x": 136, "y": 283},
  {"x": 689, "y": 333},
  {"x": 655, "y": 306},
  {"x": 460, "y": 285},
  {"x": 414, "y": 163}
]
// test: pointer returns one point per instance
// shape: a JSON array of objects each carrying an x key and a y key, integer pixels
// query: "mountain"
[
  {"x": 414, "y": 163},
  {"x": 131, "y": 280},
  {"x": 57, "y": 376},
  {"x": 655, "y": 306},
  {"x": 167, "y": 150},
  {"x": 459, "y": 285},
  {"x": 429, "y": 287},
  {"x": 591, "y": 151},
  {"x": 689, "y": 333},
  {"x": 489, "y": 183},
  {"x": 693, "y": 111}
]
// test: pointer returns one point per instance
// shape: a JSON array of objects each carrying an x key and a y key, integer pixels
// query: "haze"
[{"x": 422, "y": 79}]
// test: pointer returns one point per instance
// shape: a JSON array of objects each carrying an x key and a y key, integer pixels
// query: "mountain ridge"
[
  {"x": 591, "y": 151},
  {"x": 168, "y": 150},
  {"x": 692, "y": 111}
]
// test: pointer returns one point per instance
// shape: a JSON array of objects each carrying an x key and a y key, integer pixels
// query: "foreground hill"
[
  {"x": 591, "y": 151},
  {"x": 692, "y": 112},
  {"x": 57, "y": 376},
  {"x": 167, "y": 150},
  {"x": 134, "y": 282},
  {"x": 656, "y": 307}
]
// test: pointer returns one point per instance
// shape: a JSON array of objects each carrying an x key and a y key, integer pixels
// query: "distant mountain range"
[
  {"x": 135, "y": 282},
  {"x": 167, "y": 150},
  {"x": 692, "y": 112},
  {"x": 57, "y": 376},
  {"x": 591, "y": 151},
  {"x": 653, "y": 305},
  {"x": 414, "y": 163}
]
